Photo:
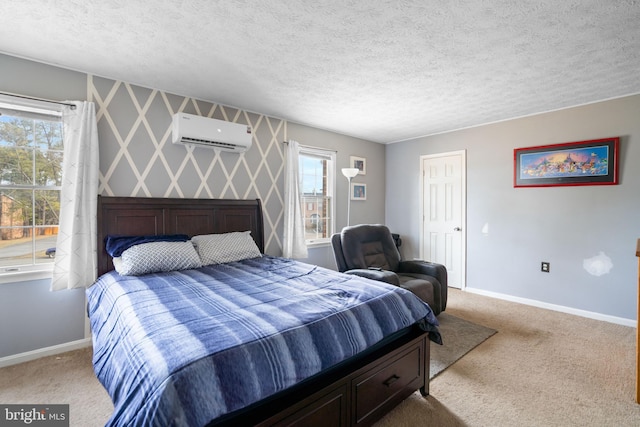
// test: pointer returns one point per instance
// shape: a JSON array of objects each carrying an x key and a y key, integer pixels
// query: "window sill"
[
  {"x": 25, "y": 275},
  {"x": 318, "y": 243}
]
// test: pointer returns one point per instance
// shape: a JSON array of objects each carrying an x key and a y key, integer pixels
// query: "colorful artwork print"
[
  {"x": 575, "y": 163},
  {"x": 565, "y": 163}
]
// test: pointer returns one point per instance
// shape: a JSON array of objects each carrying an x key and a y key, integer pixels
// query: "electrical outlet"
[{"x": 544, "y": 267}]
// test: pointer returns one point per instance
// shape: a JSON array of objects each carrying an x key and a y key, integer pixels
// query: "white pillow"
[
  {"x": 226, "y": 247},
  {"x": 156, "y": 257}
]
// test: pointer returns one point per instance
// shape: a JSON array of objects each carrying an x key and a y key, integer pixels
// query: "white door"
[{"x": 444, "y": 213}]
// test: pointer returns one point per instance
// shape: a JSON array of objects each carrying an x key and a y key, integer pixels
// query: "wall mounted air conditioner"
[{"x": 212, "y": 133}]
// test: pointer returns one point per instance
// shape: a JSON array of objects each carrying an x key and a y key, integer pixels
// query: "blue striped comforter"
[{"x": 185, "y": 347}]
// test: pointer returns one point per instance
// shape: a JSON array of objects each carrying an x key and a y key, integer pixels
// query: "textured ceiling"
[{"x": 382, "y": 70}]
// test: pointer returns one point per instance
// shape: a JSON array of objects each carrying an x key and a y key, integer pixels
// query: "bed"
[{"x": 258, "y": 341}]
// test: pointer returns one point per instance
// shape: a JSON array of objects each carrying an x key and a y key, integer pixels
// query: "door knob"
[{"x": 457, "y": 229}]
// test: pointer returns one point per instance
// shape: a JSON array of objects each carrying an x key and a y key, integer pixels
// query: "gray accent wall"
[
  {"x": 137, "y": 158},
  {"x": 566, "y": 226}
]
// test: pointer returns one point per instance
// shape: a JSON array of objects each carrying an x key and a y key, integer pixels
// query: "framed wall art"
[
  {"x": 358, "y": 191},
  {"x": 593, "y": 162},
  {"x": 359, "y": 163}
]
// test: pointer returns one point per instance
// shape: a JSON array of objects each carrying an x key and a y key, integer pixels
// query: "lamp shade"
[{"x": 350, "y": 172}]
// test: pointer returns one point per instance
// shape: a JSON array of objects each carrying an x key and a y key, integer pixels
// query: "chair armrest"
[
  {"x": 432, "y": 269},
  {"x": 341, "y": 263},
  {"x": 437, "y": 271},
  {"x": 379, "y": 275}
]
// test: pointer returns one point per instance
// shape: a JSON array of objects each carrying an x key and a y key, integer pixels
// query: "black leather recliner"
[{"x": 369, "y": 250}]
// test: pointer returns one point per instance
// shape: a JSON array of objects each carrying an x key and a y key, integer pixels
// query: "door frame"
[{"x": 463, "y": 219}]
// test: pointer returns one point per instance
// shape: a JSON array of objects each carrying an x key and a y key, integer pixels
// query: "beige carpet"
[
  {"x": 66, "y": 378},
  {"x": 542, "y": 368}
]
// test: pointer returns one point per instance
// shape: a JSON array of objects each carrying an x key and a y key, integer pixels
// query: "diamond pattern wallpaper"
[{"x": 138, "y": 159}]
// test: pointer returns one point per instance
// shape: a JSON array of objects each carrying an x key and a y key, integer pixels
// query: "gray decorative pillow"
[
  {"x": 226, "y": 247},
  {"x": 157, "y": 257}
]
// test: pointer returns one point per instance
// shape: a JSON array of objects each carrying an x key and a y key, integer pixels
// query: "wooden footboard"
[{"x": 363, "y": 392}]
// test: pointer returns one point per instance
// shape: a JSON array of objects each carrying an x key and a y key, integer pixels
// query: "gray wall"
[
  {"x": 138, "y": 159},
  {"x": 31, "y": 317},
  {"x": 370, "y": 211},
  {"x": 562, "y": 225}
]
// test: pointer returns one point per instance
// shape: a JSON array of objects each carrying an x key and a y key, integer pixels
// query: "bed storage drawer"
[
  {"x": 325, "y": 408},
  {"x": 387, "y": 384},
  {"x": 362, "y": 396}
]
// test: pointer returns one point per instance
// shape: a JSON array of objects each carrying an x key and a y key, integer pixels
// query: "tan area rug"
[{"x": 459, "y": 337}]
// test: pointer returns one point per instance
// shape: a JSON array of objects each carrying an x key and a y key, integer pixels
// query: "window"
[
  {"x": 31, "y": 153},
  {"x": 318, "y": 189}
]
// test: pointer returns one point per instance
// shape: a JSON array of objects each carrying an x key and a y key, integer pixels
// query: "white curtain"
[
  {"x": 294, "y": 245},
  {"x": 76, "y": 249}
]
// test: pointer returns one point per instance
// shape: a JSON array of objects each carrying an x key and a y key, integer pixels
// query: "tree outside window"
[{"x": 31, "y": 151}]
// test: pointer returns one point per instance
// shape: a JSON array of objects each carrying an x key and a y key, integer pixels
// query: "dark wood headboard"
[{"x": 144, "y": 216}]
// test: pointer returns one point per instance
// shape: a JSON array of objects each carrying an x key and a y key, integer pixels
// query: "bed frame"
[{"x": 358, "y": 391}]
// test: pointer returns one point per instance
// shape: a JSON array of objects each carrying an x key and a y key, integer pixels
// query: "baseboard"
[
  {"x": 569, "y": 310},
  {"x": 42, "y": 352}
]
